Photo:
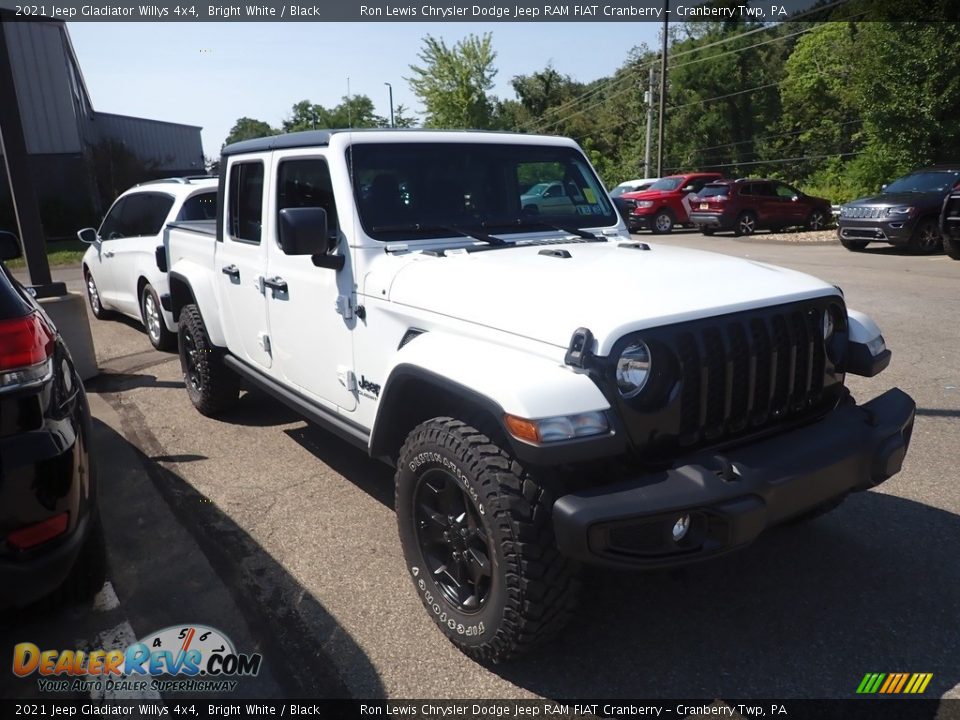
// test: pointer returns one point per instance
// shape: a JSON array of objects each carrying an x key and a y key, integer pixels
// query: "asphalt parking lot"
[{"x": 284, "y": 537}]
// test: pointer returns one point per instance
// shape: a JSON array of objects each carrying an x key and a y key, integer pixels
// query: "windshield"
[
  {"x": 407, "y": 191},
  {"x": 670, "y": 183},
  {"x": 923, "y": 182}
]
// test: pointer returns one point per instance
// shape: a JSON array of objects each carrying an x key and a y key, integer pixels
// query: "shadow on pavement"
[
  {"x": 118, "y": 382},
  {"x": 178, "y": 559},
  {"x": 873, "y": 586}
]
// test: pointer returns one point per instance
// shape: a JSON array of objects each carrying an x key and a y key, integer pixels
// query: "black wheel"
[
  {"x": 93, "y": 296},
  {"x": 817, "y": 220},
  {"x": 211, "y": 385},
  {"x": 746, "y": 224},
  {"x": 152, "y": 316},
  {"x": 478, "y": 540},
  {"x": 854, "y": 245},
  {"x": 662, "y": 222},
  {"x": 707, "y": 231},
  {"x": 952, "y": 246},
  {"x": 926, "y": 238}
]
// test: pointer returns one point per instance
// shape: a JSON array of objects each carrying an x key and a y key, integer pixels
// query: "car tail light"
[
  {"x": 26, "y": 351},
  {"x": 41, "y": 532}
]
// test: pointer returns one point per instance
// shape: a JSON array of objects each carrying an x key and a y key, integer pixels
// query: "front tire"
[
  {"x": 477, "y": 536},
  {"x": 926, "y": 238},
  {"x": 213, "y": 388},
  {"x": 817, "y": 221},
  {"x": 854, "y": 245},
  {"x": 93, "y": 296},
  {"x": 662, "y": 222},
  {"x": 152, "y": 317},
  {"x": 952, "y": 246}
]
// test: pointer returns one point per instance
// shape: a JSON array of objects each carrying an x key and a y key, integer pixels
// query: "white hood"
[{"x": 608, "y": 289}]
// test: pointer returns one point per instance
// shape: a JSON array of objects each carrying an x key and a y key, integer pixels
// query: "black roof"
[{"x": 321, "y": 138}]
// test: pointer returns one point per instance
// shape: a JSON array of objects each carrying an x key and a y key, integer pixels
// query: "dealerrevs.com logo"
[{"x": 183, "y": 658}]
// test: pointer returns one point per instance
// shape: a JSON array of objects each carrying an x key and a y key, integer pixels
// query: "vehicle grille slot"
[
  {"x": 742, "y": 377},
  {"x": 715, "y": 363},
  {"x": 690, "y": 396}
]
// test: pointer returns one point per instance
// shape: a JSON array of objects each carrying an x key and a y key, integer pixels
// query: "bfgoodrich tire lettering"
[
  {"x": 211, "y": 385},
  {"x": 520, "y": 590}
]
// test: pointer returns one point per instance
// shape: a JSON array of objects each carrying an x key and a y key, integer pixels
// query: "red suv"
[
  {"x": 745, "y": 206},
  {"x": 665, "y": 203}
]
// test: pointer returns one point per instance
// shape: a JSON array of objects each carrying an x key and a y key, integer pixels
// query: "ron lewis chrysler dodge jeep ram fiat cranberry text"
[{"x": 550, "y": 392}]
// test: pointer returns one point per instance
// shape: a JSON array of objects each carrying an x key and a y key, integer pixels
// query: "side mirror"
[
  {"x": 304, "y": 231},
  {"x": 9, "y": 246},
  {"x": 687, "y": 188},
  {"x": 795, "y": 198},
  {"x": 883, "y": 187},
  {"x": 88, "y": 235}
]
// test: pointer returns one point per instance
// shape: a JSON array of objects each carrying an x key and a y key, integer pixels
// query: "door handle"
[
  {"x": 108, "y": 253},
  {"x": 231, "y": 270},
  {"x": 277, "y": 284}
]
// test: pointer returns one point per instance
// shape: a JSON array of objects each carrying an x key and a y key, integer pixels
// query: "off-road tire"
[
  {"x": 854, "y": 245},
  {"x": 926, "y": 238},
  {"x": 159, "y": 337},
  {"x": 532, "y": 589},
  {"x": 745, "y": 225},
  {"x": 951, "y": 246},
  {"x": 93, "y": 296},
  {"x": 666, "y": 226},
  {"x": 212, "y": 386}
]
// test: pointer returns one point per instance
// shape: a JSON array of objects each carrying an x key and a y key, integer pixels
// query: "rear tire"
[
  {"x": 212, "y": 386},
  {"x": 817, "y": 221},
  {"x": 707, "y": 231},
  {"x": 926, "y": 238},
  {"x": 151, "y": 314},
  {"x": 745, "y": 225},
  {"x": 478, "y": 540}
]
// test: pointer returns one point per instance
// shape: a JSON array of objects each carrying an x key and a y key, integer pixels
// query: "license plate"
[{"x": 704, "y": 206}]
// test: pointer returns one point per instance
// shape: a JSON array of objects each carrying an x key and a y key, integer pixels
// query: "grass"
[{"x": 59, "y": 252}]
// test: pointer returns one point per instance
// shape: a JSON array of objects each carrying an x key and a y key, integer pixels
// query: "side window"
[
  {"x": 246, "y": 201},
  {"x": 202, "y": 206},
  {"x": 786, "y": 192},
  {"x": 697, "y": 184},
  {"x": 746, "y": 189},
  {"x": 306, "y": 183},
  {"x": 146, "y": 213},
  {"x": 764, "y": 190},
  {"x": 112, "y": 225}
]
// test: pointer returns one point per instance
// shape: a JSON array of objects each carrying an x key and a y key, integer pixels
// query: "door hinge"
[
  {"x": 347, "y": 378},
  {"x": 264, "y": 341},
  {"x": 345, "y": 306}
]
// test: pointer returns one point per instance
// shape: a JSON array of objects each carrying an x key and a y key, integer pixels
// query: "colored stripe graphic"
[{"x": 894, "y": 683}]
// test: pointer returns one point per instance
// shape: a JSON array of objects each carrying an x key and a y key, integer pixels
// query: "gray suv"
[{"x": 906, "y": 212}]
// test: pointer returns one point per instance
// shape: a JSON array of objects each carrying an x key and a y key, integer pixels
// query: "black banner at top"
[{"x": 767, "y": 11}]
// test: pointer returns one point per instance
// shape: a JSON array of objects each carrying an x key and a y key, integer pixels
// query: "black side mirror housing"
[
  {"x": 303, "y": 231},
  {"x": 9, "y": 246}
]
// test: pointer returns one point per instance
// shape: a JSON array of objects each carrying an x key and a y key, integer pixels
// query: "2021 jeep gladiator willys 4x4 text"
[{"x": 550, "y": 392}]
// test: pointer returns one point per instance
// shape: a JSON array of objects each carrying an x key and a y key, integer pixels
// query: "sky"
[{"x": 211, "y": 74}]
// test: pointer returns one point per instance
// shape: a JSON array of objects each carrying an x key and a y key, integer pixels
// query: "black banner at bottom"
[{"x": 853, "y": 709}]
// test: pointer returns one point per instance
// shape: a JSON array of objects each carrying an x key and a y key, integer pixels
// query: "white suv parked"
[{"x": 120, "y": 270}]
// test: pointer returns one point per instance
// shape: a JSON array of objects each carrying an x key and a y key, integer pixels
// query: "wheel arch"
[{"x": 188, "y": 286}]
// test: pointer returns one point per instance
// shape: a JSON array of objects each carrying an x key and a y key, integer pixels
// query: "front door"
[
  {"x": 241, "y": 262},
  {"x": 311, "y": 333}
]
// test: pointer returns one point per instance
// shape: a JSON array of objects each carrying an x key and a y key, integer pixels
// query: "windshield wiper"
[
  {"x": 521, "y": 223},
  {"x": 417, "y": 227}
]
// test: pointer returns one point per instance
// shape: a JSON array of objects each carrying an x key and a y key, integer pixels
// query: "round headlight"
[
  {"x": 828, "y": 324},
  {"x": 633, "y": 369}
]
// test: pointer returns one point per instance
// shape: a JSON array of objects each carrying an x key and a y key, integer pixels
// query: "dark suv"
[
  {"x": 950, "y": 225},
  {"x": 747, "y": 205},
  {"x": 904, "y": 213},
  {"x": 50, "y": 534}
]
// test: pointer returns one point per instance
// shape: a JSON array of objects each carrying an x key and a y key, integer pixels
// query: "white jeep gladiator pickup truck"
[{"x": 550, "y": 391}]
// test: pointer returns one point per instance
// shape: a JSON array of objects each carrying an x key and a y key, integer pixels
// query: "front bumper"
[
  {"x": 732, "y": 498},
  {"x": 897, "y": 232}
]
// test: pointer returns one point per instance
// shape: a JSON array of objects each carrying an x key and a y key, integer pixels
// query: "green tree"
[
  {"x": 353, "y": 112},
  {"x": 403, "y": 117},
  {"x": 454, "y": 83},
  {"x": 246, "y": 129}
]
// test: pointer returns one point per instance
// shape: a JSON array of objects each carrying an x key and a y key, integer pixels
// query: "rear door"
[
  {"x": 312, "y": 340},
  {"x": 144, "y": 215},
  {"x": 795, "y": 205},
  {"x": 242, "y": 259}
]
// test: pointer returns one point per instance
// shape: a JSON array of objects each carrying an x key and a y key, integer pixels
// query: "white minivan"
[{"x": 120, "y": 269}]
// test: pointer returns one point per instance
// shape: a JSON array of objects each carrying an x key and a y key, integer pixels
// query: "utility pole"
[
  {"x": 663, "y": 87},
  {"x": 392, "y": 124},
  {"x": 649, "y": 99}
]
